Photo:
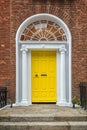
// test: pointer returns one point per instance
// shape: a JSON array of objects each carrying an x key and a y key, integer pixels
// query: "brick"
[{"x": 13, "y": 13}]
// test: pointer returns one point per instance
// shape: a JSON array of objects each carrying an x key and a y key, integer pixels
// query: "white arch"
[
  {"x": 68, "y": 45},
  {"x": 43, "y": 16}
]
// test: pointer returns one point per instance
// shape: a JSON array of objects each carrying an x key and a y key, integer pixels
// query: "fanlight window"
[{"x": 43, "y": 30}]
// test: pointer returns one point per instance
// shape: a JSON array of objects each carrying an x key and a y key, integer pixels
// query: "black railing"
[
  {"x": 83, "y": 94},
  {"x": 3, "y": 96}
]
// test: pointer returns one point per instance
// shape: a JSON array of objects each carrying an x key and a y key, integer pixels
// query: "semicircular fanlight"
[{"x": 43, "y": 30}]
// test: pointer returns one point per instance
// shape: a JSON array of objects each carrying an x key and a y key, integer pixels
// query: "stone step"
[
  {"x": 30, "y": 118},
  {"x": 43, "y": 125}
]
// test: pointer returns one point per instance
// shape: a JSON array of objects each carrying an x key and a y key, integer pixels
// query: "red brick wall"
[
  {"x": 4, "y": 42},
  {"x": 72, "y": 12}
]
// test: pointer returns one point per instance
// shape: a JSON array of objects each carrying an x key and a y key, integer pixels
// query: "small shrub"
[{"x": 75, "y": 100}]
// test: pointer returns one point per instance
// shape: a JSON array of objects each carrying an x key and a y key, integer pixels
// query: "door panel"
[{"x": 43, "y": 76}]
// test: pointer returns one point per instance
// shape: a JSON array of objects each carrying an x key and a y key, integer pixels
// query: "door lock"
[{"x": 36, "y": 75}]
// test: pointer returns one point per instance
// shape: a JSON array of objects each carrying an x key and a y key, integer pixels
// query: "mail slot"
[{"x": 43, "y": 74}]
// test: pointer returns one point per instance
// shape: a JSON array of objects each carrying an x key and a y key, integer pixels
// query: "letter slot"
[{"x": 43, "y": 74}]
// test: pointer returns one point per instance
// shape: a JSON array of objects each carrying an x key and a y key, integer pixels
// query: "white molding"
[
  {"x": 62, "y": 75},
  {"x": 29, "y": 77},
  {"x": 61, "y": 48},
  {"x": 43, "y": 16},
  {"x": 57, "y": 75},
  {"x": 42, "y": 45},
  {"x": 41, "y": 42},
  {"x": 24, "y": 99}
]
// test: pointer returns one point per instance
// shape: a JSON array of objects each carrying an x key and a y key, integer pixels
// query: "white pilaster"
[
  {"x": 24, "y": 100},
  {"x": 62, "y": 99},
  {"x": 57, "y": 75},
  {"x": 29, "y": 77}
]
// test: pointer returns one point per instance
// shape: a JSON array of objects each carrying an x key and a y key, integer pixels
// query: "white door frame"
[
  {"x": 23, "y": 64},
  {"x": 26, "y": 71}
]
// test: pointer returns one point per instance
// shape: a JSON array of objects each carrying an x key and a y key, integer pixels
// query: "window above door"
[{"x": 43, "y": 30}]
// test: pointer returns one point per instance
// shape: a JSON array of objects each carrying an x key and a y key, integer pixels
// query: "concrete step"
[
  {"x": 43, "y": 117},
  {"x": 43, "y": 125},
  {"x": 30, "y": 118}
]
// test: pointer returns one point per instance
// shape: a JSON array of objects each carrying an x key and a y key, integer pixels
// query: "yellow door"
[{"x": 43, "y": 76}]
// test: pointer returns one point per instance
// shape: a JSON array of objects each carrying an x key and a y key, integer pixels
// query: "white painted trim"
[
  {"x": 41, "y": 42},
  {"x": 70, "y": 72},
  {"x": 30, "y": 84},
  {"x": 30, "y": 45},
  {"x": 62, "y": 86},
  {"x": 24, "y": 99},
  {"x": 43, "y": 16},
  {"x": 43, "y": 46},
  {"x": 57, "y": 75},
  {"x": 59, "y": 64}
]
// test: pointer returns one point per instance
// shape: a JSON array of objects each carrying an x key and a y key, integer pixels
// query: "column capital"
[
  {"x": 24, "y": 49},
  {"x": 62, "y": 49}
]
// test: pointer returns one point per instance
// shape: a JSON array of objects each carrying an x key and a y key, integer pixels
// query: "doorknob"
[{"x": 36, "y": 75}]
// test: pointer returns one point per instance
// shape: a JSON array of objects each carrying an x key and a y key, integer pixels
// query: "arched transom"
[{"x": 43, "y": 30}]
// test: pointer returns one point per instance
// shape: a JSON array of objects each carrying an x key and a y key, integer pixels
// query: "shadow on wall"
[
  {"x": 52, "y": 1},
  {"x": 65, "y": 1}
]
